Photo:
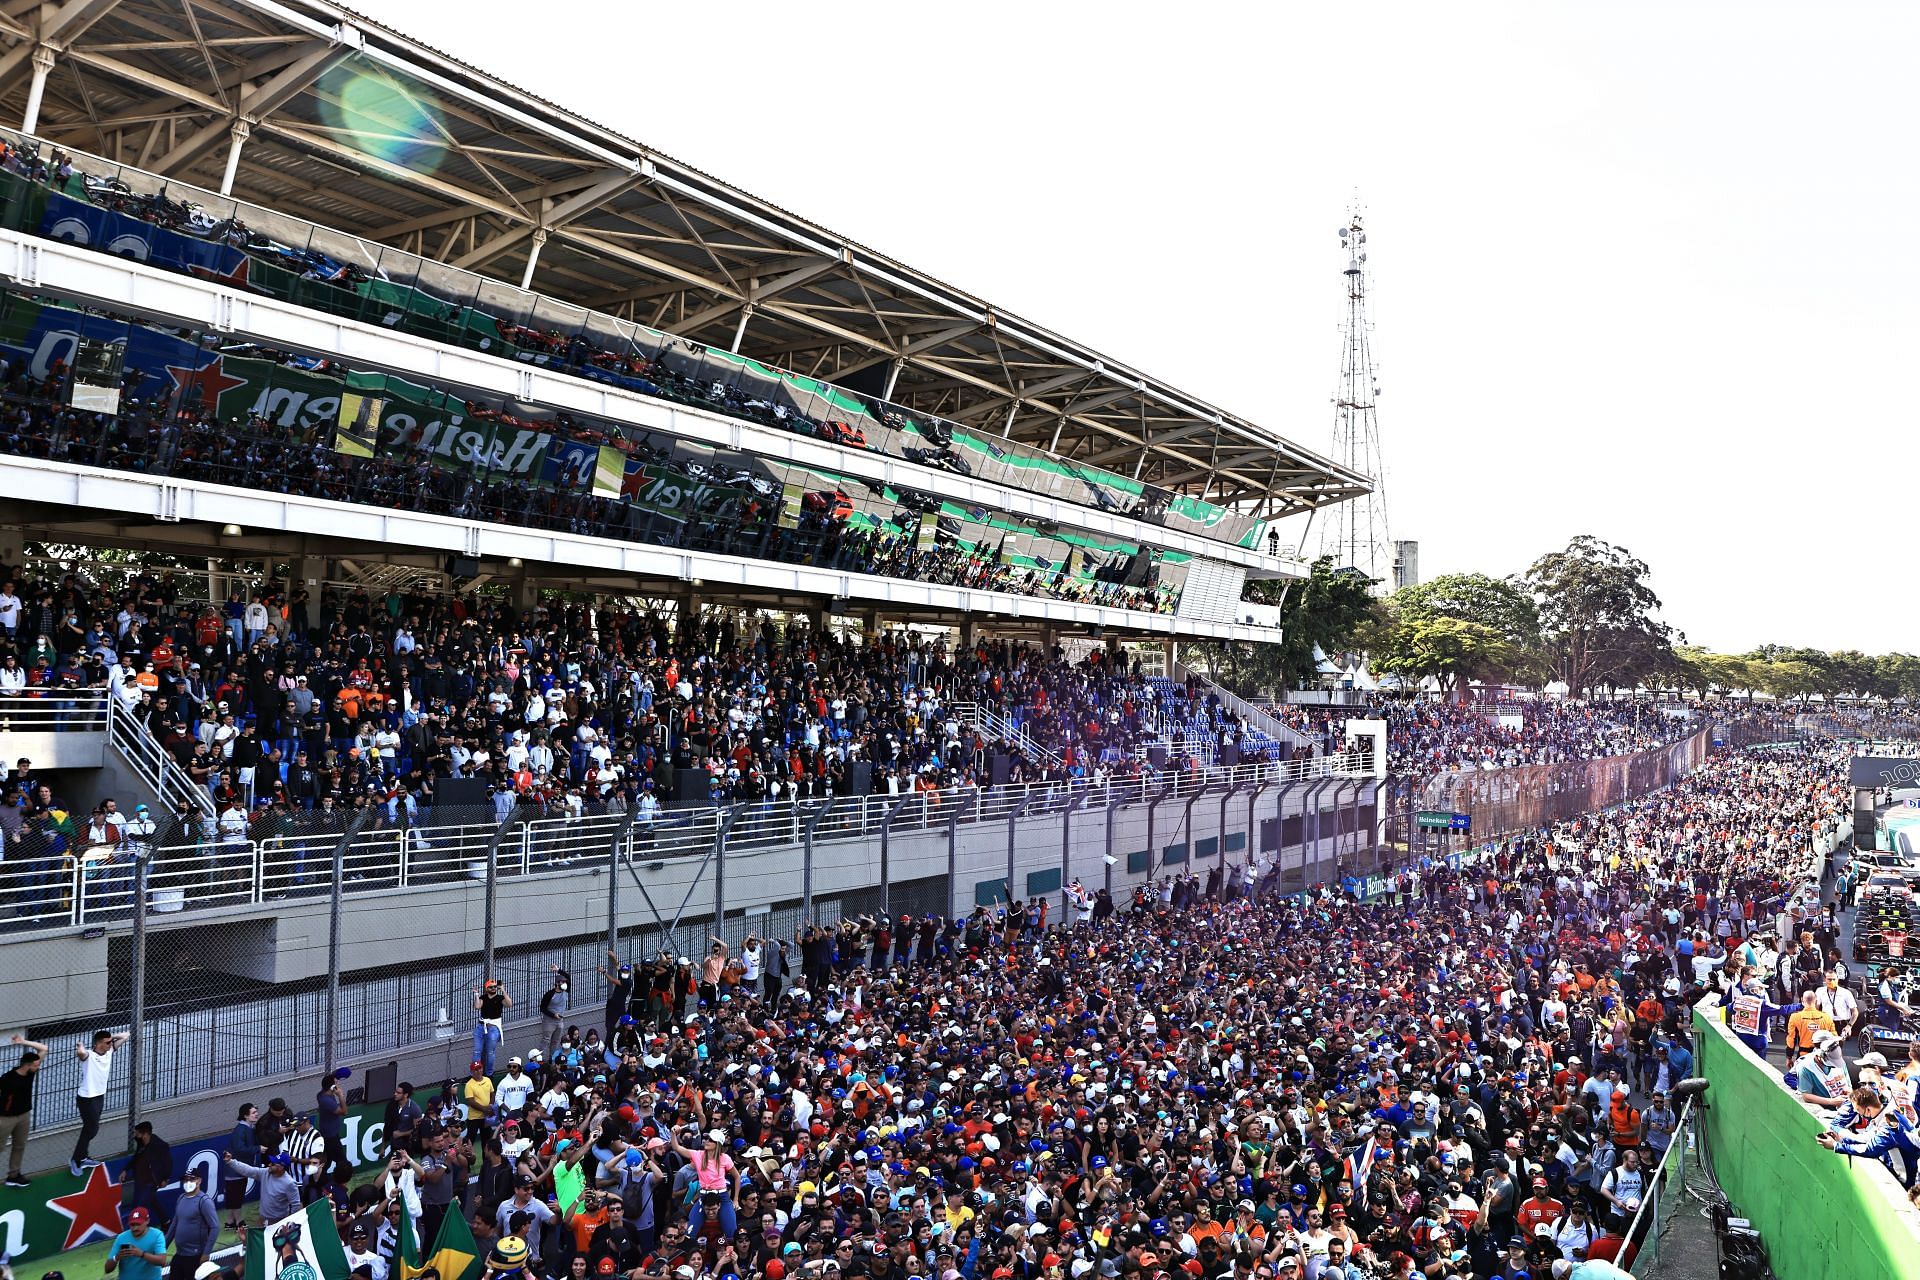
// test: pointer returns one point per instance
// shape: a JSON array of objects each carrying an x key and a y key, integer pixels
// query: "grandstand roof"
[{"x": 357, "y": 127}]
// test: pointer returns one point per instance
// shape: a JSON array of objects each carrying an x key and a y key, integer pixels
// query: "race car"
[
  {"x": 830, "y": 504},
  {"x": 838, "y": 432}
]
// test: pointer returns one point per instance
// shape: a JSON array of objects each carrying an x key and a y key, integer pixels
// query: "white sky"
[{"x": 1642, "y": 271}]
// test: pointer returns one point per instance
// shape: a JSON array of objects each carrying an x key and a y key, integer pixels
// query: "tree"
[
  {"x": 1334, "y": 610},
  {"x": 1706, "y": 671},
  {"x": 1596, "y": 610},
  {"x": 1500, "y": 605},
  {"x": 1448, "y": 649}
]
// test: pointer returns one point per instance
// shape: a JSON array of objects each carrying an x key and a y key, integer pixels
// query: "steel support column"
[
  {"x": 533, "y": 257},
  {"x": 241, "y": 132},
  {"x": 334, "y": 957},
  {"x": 42, "y": 68}
]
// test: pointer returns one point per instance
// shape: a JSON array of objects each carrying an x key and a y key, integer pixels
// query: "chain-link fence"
[{"x": 279, "y": 940}]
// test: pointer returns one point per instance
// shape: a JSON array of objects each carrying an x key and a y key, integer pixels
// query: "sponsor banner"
[{"x": 60, "y": 1212}]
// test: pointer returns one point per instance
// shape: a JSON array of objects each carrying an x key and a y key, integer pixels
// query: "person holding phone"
[{"x": 138, "y": 1252}]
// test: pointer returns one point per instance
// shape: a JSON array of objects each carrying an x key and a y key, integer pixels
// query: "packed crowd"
[
  {"x": 281, "y": 703},
  {"x": 187, "y": 443},
  {"x": 1473, "y": 1077},
  {"x": 1427, "y": 737}
]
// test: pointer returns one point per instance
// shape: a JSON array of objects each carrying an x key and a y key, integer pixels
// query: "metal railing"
[
  {"x": 51, "y": 710},
  {"x": 1665, "y": 1189},
  {"x": 992, "y": 721},
  {"x": 152, "y": 762},
  {"x": 73, "y": 884},
  {"x": 1250, "y": 715}
]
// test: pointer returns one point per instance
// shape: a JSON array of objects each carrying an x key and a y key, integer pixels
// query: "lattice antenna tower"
[{"x": 1356, "y": 534}]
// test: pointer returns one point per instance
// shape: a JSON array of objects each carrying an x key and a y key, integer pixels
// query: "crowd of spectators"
[
  {"x": 187, "y": 443},
  {"x": 280, "y": 703},
  {"x": 1471, "y": 1077},
  {"x": 1426, "y": 737}
]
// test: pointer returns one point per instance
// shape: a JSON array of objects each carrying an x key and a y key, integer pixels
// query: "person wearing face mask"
[
  {"x": 196, "y": 1227},
  {"x": 279, "y": 1193}
]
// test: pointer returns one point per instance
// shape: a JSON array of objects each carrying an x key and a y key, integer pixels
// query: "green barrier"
[{"x": 1821, "y": 1215}]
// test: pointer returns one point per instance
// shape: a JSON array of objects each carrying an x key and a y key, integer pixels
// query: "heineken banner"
[{"x": 60, "y": 1212}]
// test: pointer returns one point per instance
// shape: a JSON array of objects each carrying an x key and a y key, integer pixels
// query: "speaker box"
[
  {"x": 690, "y": 787},
  {"x": 860, "y": 778},
  {"x": 1157, "y": 756},
  {"x": 1229, "y": 755},
  {"x": 463, "y": 566},
  {"x": 999, "y": 768},
  {"x": 463, "y": 791}
]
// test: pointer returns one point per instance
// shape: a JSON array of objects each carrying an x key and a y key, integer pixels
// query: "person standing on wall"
[
  {"x": 16, "y": 1107},
  {"x": 90, "y": 1099},
  {"x": 491, "y": 1003}
]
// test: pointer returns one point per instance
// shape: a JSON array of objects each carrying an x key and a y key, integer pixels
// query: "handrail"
[
  {"x": 1250, "y": 714},
  {"x": 94, "y": 888},
  {"x": 47, "y": 709},
  {"x": 151, "y": 761},
  {"x": 1004, "y": 727}
]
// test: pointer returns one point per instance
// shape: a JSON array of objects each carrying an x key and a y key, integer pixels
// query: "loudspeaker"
[
  {"x": 1157, "y": 756},
  {"x": 1229, "y": 755},
  {"x": 463, "y": 791},
  {"x": 860, "y": 778},
  {"x": 463, "y": 566},
  {"x": 690, "y": 787},
  {"x": 999, "y": 768}
]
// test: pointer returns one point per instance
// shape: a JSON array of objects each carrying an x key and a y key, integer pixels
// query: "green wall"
[{"x": 1822, "y": 1215}]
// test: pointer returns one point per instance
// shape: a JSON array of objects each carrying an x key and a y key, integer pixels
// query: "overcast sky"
[{"x": 1644, "y": 272}]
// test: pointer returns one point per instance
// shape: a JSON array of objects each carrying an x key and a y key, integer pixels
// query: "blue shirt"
[{"x": 152, "y": 1240}]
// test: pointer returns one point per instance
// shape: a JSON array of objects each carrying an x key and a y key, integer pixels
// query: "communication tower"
[{"x": 1355, "y": 534}]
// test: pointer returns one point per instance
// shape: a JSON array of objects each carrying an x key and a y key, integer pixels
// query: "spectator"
[
  {"x": 90, "y": 1098},
  {"x": 16, "y": 1106},
  {"x": 149, "y": 1169},
  {"x": 243, "y": 1145},
  {"x": 139, "y": 1251},
  {"x": 196, "y": 1227}
]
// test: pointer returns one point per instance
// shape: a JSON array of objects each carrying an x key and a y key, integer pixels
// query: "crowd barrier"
[{"x": 1820, "y": 1214}]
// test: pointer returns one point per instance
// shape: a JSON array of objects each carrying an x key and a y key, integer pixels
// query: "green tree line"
[{"x": 1585, "y": 614}]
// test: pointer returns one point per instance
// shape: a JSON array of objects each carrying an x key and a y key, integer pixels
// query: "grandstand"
[{"x": 421, "y": 624}]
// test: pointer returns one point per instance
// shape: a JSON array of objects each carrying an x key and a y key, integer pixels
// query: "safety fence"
[
  {"x": 58, "y": 879},
  {"x": 330, "y": 936}
]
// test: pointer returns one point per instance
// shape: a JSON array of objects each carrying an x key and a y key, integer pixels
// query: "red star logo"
[
  {"x": 238, "y": 277},
  {"x": 211, "y": 378},
  {"x": 95, "y": 1207},
  {"x": 636, "y": 481}
]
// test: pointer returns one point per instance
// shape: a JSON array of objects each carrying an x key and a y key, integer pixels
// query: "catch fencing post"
[
  {"x": 886, "y": 852},
  {"x": 137, "y": 1014},
  {"x": 493, "y": 887},
  {"x": 614, "y": 847},
  {"x": 806, "y": 855},
  {"x": 333, "y": 929}
]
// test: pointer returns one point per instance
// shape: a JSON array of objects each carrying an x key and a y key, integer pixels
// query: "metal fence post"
[
  {"x": 953, "y": 846},
  {"x": 333, "y": 929},
  {"x": 806, "y": 855},
  {"x": 137, "y": 1013},
  {"x": 493, "y": 888},
  {"x": 1113, "y": 806},
  {"x": 886, "y": 852},
  {"x": 620, "y": 837},
  {"x": 720, "y": 870},
  {"x": 1253, "y": 835},
  {"x": 1013, "y": 819}
]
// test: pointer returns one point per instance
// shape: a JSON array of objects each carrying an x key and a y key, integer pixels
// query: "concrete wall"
[
  {"x": 1820, "y": 1214},
  {"x": 57, "y": 976}
]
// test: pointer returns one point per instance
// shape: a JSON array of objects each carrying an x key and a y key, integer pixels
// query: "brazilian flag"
[{"x": 455, "y": 1254}]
